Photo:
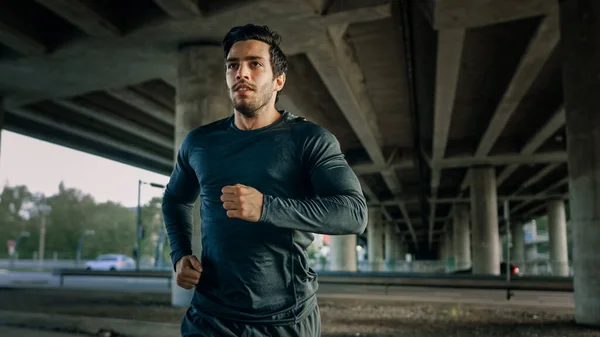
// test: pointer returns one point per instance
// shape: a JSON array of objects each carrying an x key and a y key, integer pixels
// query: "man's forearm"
[
  {"x": 178, "y": 219},
  {"x": 333, "y": 215}
]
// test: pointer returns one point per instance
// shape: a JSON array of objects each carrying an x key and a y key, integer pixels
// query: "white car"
[{"x": 111, "y": 262}]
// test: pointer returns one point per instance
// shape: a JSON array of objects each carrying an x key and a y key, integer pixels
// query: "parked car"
[
  {"x": 111, "y": 262},
  {"x": 514, "y": 270}
]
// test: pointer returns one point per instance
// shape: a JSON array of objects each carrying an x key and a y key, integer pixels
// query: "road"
[
  {"x": 413, "y": 294},
  {"x": 22, "y": 332}
]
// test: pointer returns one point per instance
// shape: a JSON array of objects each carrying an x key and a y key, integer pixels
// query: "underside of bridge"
[{"x": 418, "y": 93}]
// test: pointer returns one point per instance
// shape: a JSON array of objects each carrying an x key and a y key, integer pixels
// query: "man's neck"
[{"x": 263, "y": 118}]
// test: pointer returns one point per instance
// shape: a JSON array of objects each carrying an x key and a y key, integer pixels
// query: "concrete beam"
[
  {"x": 535, "y": 142},
  {"x": 541, "y": 207},
  {"x": 500, "y": 198},
  {"x": 157, "y": 62},
  {"x": 503, "y": 159},
  {"x": 75, "y": 145},
  {"x": 537, "y": 177},
  {"x": 415, "y": 221},
  {"x": 449, "y": 53},
  {"x": 535, "y": 56},
  {"x": 91, "y": 135},
  {"x": 81, "y": 15},
  {"x": 20, "y": 42},
  {"x": 372, "y": 196},
  {"x": 320, "y": 6},
  {"x": 477, "y": 13},
  {"x": 363, "y": 14},
  {"x": 367, "y": 168},
  {"x": 117, "y": 122},
  {"x": 367, "y": 190},
  {"x": 179, "y": 9},
  {"x": 344, "y": 79},
  {"x": 144, "y": 104},
  {"x": 544, "y": 194},
  {"x": 538, "y": 51},
  {"x": 552, "y": 126}
]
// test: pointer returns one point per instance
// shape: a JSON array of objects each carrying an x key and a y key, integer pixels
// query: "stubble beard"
[{"x": 252, "y": 108}]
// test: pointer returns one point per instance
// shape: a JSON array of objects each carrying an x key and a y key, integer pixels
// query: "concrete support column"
[
  {"x": 501, "y": 246},
  {"x": 462, "y": 237},
  {"x": 441, "y": 254},
  {"x": 375, "y": 234},
  {"x": 201, "y": 98},
  {"x": 449, "y": 260},
  {"x": 342, "y": 253},
  {"x": 484, "y": 221},
  {"x": 393, "y": 241},
  {"x": 580, "y": 51},
  {"x": 531, "y": 251},
  {"x": 517, "y": 253},
  {"x": 557, "y": 235},
  {"x": 402, "y": 249}
]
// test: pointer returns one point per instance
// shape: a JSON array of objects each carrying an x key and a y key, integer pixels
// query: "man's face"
[{"x": 250, "y": 77}]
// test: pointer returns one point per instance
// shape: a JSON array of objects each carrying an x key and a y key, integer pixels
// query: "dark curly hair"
[{"x": 261, "y": 33}]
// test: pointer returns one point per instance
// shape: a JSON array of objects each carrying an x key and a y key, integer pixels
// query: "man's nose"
[{"x": 242, "y": 72}]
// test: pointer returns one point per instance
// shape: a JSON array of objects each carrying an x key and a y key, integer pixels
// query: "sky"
[{"x": 41, "y": 166}]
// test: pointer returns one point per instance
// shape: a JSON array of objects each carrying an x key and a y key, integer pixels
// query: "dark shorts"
[{"x": 197, "y": 324}]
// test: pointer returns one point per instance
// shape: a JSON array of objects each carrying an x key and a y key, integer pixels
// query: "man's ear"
[{"x": 280, "y": 82}]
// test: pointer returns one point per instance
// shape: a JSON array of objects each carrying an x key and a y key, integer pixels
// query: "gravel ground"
[{"x": 339, "y": 317}]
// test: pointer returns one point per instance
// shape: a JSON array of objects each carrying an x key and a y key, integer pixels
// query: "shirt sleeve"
[
  {"x": 178, "y": 204},
  {"x": 339, "y": 207}
]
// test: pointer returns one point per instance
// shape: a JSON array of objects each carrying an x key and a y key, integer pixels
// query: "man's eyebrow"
[{"x": 236, "y": 59}]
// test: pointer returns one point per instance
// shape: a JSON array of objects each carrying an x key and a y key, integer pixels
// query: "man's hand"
[
  {"x": 243, "y": 202},
  {"x": 188, "y": 270}
]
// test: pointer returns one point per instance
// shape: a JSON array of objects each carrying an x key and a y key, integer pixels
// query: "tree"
[
  {"x": 13, "y": 219},
  {"x": 70, "y": 213}
]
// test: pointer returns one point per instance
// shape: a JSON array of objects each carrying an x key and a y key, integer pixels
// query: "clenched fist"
[
  {"x": 243, "y": 202},
  {"x": 188, "y": 270}
]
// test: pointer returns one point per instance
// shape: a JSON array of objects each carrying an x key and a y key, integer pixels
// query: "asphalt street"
[
  {"x": 413, "y": 294},
  {"x": 23, "y": 332}
]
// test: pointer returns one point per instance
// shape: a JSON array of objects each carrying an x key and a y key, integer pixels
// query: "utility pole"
[
  {"x": 42, "y": 237},
  {"x": 138, "y": 228},
  {"x": 44, "y": 209},
  {"x": 140, "y": 231}
]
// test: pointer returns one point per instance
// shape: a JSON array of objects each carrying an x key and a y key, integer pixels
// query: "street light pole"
[
  {"x": 42, "y": 242},
  {"x": 44, "y": 210},
  {"x": 139, "y": 231},
  {"x": 138, "y": 227}
]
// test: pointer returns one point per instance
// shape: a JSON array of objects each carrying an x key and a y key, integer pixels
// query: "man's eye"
[{"x": 256, "y": 64}]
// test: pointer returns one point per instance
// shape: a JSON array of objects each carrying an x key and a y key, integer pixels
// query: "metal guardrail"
[
  {"x": 387, "y": 279},
  {"x": 543, "y": 283},
  {"x": 121, "y": 273}
]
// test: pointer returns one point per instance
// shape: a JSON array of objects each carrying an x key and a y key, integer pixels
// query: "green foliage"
[{"x": 69, "y": 214}]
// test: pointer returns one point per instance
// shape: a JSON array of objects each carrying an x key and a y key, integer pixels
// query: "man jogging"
[{"x": 266, "y": 180}]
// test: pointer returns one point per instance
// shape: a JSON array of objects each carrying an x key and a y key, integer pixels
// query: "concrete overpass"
[{"x": 445, "y": 108}]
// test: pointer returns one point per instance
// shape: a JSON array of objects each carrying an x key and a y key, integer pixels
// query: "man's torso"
[{"x": 251, "y": 271}]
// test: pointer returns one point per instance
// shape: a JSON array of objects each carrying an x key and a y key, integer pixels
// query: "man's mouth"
[{"x": 243, "y": 88}]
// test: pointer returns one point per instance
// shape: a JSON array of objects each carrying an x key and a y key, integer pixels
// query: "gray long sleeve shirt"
[{"x": 258, "y": 271}]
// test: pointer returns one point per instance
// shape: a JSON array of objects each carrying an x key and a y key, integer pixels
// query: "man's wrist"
[
  {"x": 176, "y": 255},
  {"x": 265, "y": 208}
]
